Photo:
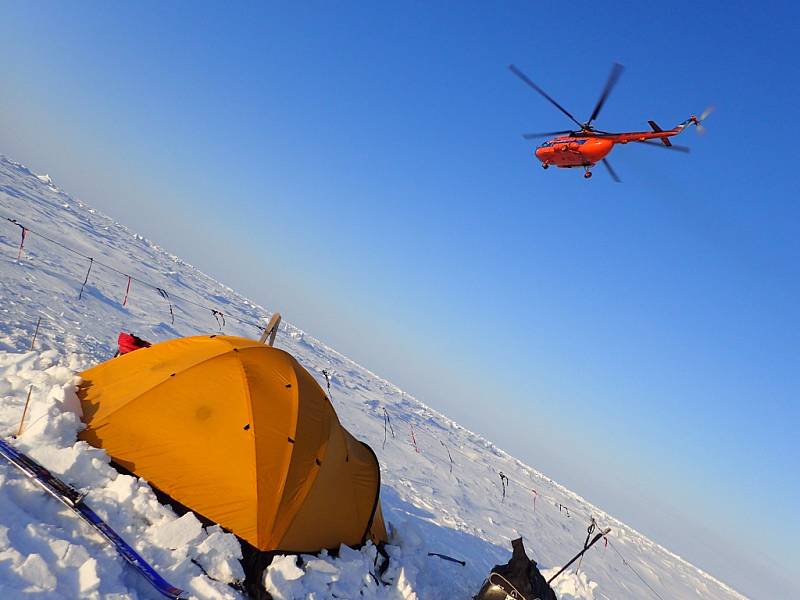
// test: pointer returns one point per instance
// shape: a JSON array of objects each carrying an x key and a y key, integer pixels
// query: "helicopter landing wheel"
[
  {"x": 588, "y": 174},
  {"x": 545, "y": 166}
]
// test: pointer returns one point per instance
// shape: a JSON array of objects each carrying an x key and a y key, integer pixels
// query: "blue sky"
[{"x": 359, "y": 168}]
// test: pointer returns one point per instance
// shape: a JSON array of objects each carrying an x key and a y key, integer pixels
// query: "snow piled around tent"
[
  {"x": 51, "y": 558},
  {"x": 61, "y": 557},
  {"x": 352, "y": 575},
  {"x": 432, "y": 504}
]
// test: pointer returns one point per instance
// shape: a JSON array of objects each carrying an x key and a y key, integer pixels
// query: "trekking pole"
[
  {"x": 589, "y": 532},
  {"x": 581, "y": 553}
]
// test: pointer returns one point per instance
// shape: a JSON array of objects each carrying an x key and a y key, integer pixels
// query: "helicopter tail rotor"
[{"x": 698, "y": 121}]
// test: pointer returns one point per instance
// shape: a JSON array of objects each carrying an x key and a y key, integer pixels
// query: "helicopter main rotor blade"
[
  {"x": 677, "y": 147},
  {"x": 525, "y": 78},
  {"x": 611, "y": 171},
  {"x": 533, "y": 136},
  {"x": 616, "y": 71}
]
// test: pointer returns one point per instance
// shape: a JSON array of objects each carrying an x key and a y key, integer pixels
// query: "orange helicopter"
[{"x": 587, "y": 146}]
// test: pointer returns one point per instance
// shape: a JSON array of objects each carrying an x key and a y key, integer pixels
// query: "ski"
[{"x": 73, "y": 499}]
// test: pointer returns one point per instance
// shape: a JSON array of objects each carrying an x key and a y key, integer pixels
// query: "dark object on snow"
[
  {"x": 128, "y": 342},
  {"x": 448, "y": 558},
  {"x": 519, "y": 579},
  {"x": 586, "y": 546}
]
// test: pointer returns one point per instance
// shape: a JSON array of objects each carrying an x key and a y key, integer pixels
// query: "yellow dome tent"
[{"x": 243, "y": 435}]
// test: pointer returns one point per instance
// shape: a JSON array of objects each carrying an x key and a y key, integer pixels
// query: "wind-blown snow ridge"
[{"x": 461, "y": 514}]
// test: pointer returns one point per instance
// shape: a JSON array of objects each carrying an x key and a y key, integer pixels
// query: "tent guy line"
[{"x": 630, "y": 566}]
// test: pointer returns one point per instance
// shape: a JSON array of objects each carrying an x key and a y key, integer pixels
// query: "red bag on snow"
[{"x": 128, "y": 342}]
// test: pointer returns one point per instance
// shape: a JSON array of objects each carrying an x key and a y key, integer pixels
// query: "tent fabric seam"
[
  {"x": 310, "y": 486},
  {"x": 288, "y": 463},
  {"x": 282, "y": 486},
  {"x": 254, "y": 439}
]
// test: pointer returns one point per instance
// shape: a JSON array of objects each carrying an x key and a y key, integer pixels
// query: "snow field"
[{"x": 45, "y": 552}]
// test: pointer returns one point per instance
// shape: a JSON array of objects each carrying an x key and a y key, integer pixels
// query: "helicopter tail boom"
[{"x": 693, "y": 120}]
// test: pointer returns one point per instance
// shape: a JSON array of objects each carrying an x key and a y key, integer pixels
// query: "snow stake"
[
  {"x": 83, "y": 285},
  {"x": 22, "y": 241},
  {"x": 163, "y": 293},
  {"x": 127, "y": 291},
  {"x": 414, "y": 438},
  {"x": 504, "y": 483},
  {"x": 36, "y": 331},
  {"x": 386, "y": 421},
  {"x": 24, "y": 411},
  {"x": 450, "y": 456},
  {"x": 328, "y": 382}
]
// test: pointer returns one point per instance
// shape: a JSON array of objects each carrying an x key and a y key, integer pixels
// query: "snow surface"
[{"x": 46, "y": 552}]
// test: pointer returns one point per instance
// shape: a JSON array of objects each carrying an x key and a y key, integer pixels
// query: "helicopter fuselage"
[
  {"x": 586, "y": 150},
  {"x": 567, "y": 152}
]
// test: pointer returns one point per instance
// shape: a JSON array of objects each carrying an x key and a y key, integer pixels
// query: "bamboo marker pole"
[
  {"x": 24, "y": 411},
  {"x": 35, "y": 333}
]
